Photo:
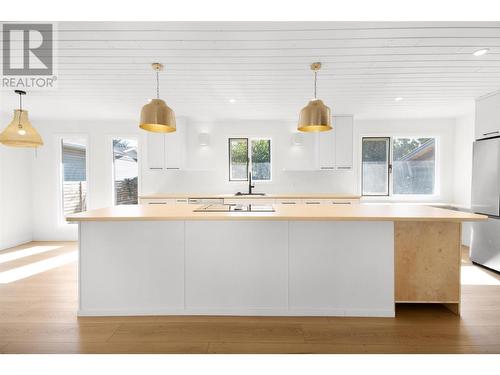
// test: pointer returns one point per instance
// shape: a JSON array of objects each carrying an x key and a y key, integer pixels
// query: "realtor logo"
[{"x": 28, "y": 55}]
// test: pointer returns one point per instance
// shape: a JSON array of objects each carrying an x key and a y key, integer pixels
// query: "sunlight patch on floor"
[
  {"x": 22, "y": 253},
  {"x": 473, "y": 275},
  {"x": 37, "y": 267}
]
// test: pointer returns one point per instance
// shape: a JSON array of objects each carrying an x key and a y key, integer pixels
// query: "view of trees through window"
[
  {"x": 242, "y": 159},
  {"x": 125, "y": 171},
  {"x": 409, "y": 167}
]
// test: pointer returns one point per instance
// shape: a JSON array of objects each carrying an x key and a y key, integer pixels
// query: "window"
[
  {"x": 256, "y": 158},
  {"x": 125, "y": 171},
  {"x": 74, "y": 175},
  {"x": 401, "y": 165}
]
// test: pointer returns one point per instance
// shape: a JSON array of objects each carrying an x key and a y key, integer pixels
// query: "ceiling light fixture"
[
  {"x": 481, "y": 52},
  {"x": 232, "y": 100},
  {"x": 20, "y": 132},
  {"x": 315, "y": 116},
  {"x": 398, "y": 99},
  {"x": 156, "y": 116}
]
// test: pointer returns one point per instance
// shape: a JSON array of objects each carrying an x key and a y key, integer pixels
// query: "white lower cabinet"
[
  {"x": 156, "y": 201},
  {"x": 288, "y": 201},
  {"x": 254, "y": 201}
]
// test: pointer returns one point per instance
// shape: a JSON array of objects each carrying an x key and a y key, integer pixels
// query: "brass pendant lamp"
[
  {"x": 315, "y": 116},
  {"x": 156, "y": 116},
  {"x": 20, "y": 133}
]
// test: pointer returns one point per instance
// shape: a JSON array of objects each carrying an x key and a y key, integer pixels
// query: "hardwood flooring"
[{"x": 38, "y": 315}]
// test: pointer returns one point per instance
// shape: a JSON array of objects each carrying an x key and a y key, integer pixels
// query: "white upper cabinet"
[
  {"x": 155, "y": 150},
  {"x": 343, "y": 142},
  {"x": 175, "y": 144},
  {"x": 335, "y": 147},
  {"x": 487, "y": 116},
  {"x": 165, "y": 151},
  {"x": 326, "y": 149}
]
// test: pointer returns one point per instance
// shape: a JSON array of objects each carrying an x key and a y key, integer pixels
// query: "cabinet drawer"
[
  {"x": 344, "y": 201},
  {"x": 288, "y": 201},
  {"x": 315, "y": 201},
  {"x": 255, "y": 201},
  {"x": 155, "y": 201}
]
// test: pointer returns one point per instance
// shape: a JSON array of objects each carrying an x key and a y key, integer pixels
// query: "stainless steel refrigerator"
[{"x": 485, "y": 236}]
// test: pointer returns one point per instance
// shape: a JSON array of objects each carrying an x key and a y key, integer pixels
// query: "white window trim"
[
  {"x": 250, "y": 138},
  {"x": 110, "y": 153},
  {"x": 402, "y": 197},
  {"x": 59, "y": 138}
]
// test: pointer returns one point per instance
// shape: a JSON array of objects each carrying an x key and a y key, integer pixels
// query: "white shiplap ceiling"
[{"x": 104, "y": 68}]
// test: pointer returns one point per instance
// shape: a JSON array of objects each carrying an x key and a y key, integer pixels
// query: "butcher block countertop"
[
  {"x": 299, "y": 212},
  {"x": 269, "y": 196}
]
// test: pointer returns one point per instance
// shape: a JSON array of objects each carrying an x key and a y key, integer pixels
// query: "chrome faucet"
[{"x": 250, "y": 186}]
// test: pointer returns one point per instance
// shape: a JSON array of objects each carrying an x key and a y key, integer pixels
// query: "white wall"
[
  {"x": 16, "y": 225},
  {"x": 462, "y": 182}
]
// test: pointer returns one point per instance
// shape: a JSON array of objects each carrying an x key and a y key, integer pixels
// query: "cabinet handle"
[
  {"x": 155, "y": 168},
  {"x": 156, "y": 203},
  {"x": 344, "y": 167},
  {"x": 173, "y": 168},
  {"x": 326, "y": 167},
  {"x": 495, "y": 132},
  {"x": 287, "y": 202},
  {"x": 313, "y": 202},
  {"x": 341, "y": 202}
]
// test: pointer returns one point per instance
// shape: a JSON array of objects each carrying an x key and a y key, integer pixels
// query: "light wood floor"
[{"x": 38, "y": 315}]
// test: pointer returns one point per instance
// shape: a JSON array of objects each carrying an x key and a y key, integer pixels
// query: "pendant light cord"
[
  {"x": 157, "y": 84},
  {"x": 315, "y": 80},
  {"x": 19, "y": 125}
]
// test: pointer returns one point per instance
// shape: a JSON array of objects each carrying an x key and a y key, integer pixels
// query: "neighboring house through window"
[
  {"x": 74, "y": 175},
  {"x": 125, "y": 171},
  {"x": 398, "y": 166}
]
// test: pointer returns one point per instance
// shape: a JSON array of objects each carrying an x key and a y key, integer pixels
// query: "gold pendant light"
[
  {"x": 20, "y": 133},
  {"x": 315, "y": 116},
  {"x": 156, "y": 116}
]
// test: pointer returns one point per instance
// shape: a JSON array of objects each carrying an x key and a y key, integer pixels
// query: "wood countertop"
[
  {"x": 299, "y": 212},
  {"x": 268, "y": 196}
]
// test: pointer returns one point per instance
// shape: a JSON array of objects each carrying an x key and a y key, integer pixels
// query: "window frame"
[
  {"x": 138, "y": 138},
  {"x": 249, "y": 158},
  {"x": 437, "y": 170},
  {"x": 389, "y": 166},
  {"x": 60, "y": 173}
]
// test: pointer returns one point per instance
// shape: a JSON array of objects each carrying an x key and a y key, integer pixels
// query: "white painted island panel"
[
  {"x": 131, "y": 268},
  {"x": 341, "y": 268},
  {"x": 237, "y": 267}
]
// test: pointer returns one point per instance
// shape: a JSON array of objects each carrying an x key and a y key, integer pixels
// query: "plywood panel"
[{"x": 427, "y": 262}]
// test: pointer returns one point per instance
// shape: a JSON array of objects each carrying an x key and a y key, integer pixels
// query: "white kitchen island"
[{"x": 300, "y": 260}]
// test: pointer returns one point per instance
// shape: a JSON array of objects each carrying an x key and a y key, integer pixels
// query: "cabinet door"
[
  {"x": 343, "y": 142},
  {"x": 288, "y": 201},
  {"x": 487, "y": 116},
  {"x": 314, "y": 201},
  {"x": 156, "y": 150},
  {"x": 326, "y": 147},
  {"x": 174, "y": 148}
]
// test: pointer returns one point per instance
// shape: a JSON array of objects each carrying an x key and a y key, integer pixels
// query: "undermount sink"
[{"x": 240, "y": 194}]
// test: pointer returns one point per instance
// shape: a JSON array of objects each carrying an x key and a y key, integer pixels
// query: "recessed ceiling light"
[
  {"x": 481, "y": 52},
  {"x": 398, "y": 99},
  {"x": 232, "y": 100}
]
